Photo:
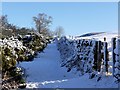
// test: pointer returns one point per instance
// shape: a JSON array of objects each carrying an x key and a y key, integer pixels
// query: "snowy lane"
[
  {"x": 46, "y": 67},
  {"x": 45, "y": 72}
]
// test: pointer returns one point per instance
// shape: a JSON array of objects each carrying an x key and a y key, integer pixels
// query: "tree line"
[
  {"x": 19, "y": 44},
  {"x": 42, "y": 25}
]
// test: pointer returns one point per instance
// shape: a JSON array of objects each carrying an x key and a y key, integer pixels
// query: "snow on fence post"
[
  {"x": 117, "y": 61},
  {"x": 113, "y": 54},
  {"x": 99, "y": 59},
  {"x": 105, "y": 57}
]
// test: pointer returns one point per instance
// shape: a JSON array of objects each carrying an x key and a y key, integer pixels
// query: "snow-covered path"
[
  {"x": 46, "y": 68},
  {"x": 45, "y": 72}
]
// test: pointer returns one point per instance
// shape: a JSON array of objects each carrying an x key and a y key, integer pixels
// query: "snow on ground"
[
  {"x": 83, "y": 82},
  {"x": 101, "y": 36},
  {"x": 46, "y": 68},
  {"x": 45, "y": 72}
]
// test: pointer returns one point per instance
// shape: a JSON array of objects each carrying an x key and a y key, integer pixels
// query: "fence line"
[{"x": 89, "y": 54}]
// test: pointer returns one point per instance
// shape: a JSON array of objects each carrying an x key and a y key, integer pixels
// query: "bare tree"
[
  {"x": 59, "y": 31},
  {"x": 42, "y": 22}
]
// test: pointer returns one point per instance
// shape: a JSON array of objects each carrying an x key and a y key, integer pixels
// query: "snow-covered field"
[{"x": 45, "y": 72}]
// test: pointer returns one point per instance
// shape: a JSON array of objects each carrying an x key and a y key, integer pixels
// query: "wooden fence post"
[
  {"x": 105, "y": 57},
  {"x": 99, "y": 59},
  {"x": 113, "y": 54},
  {"x": 95, "y": 55}
]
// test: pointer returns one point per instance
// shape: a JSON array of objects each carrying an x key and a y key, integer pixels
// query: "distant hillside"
[
  {"x": 90, "y": 34},
  {"x": 98, "y": 36}
]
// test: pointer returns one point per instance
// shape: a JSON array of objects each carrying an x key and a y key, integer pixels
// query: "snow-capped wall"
[{"x": 78, "y": 54}]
